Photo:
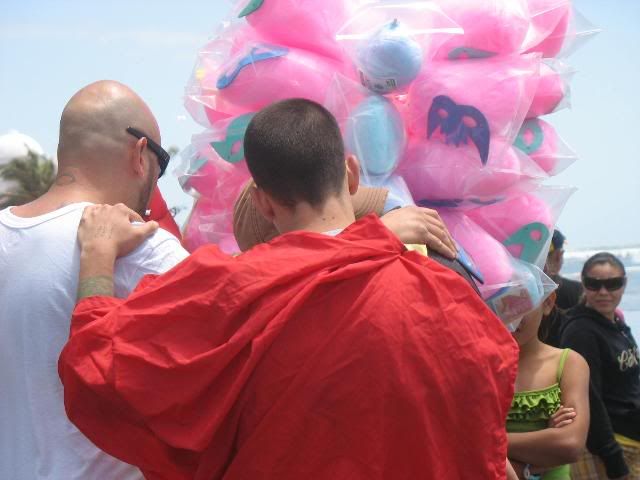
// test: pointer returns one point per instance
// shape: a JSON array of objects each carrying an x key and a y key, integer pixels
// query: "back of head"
[
  {"x": 557, "y": 241},
  {"x": 295, "y": 153},
  {"x": 93, "y": 135}
]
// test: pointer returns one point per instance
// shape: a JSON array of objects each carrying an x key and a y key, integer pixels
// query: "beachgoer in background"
[
  {"x": 99, "y": 161},
  {"x": 551, "y": 326},
  {"x": 596, "y": 332},
  {"x": 569, "y": 291},
  {"x": 549, "y": 416},
  {"x": 330, "y": 352}
]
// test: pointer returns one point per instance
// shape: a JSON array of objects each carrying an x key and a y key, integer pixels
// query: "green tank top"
[{"x": 530, "y": 411}]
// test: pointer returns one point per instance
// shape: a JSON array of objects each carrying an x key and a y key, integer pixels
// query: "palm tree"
[{"x": 31, "y": 177}]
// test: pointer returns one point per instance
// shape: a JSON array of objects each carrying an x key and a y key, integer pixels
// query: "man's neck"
[
  {"x": 57, "y": 198},
  {"x": 335, "y": 214}
]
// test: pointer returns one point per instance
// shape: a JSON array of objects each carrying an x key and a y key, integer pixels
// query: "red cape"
[
  {"x": 161, "y": 214},
  {"x": 311, "y": 357}
]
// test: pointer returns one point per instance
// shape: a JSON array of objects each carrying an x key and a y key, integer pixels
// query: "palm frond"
[{"x": 31, "y": 175}]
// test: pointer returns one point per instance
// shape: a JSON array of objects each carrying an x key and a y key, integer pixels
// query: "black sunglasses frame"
[
  {"x": 161, "y": 153},
  {"x": 610, "y": 284}
]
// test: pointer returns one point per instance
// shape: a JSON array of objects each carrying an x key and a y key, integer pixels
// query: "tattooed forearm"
[{"x": 99, "y": 285}]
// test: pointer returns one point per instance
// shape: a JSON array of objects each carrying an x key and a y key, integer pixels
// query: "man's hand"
[
  {"x": 105, "y": 233},
  {"x": 108, "y": 230},
  {"x": 563, "y": 417},
  {"x": 422, "y": 226}
]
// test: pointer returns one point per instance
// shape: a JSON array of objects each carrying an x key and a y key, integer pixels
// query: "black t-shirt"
[
  {"x": 614, "y": 363},
  {"x": 568, "y": 292}
]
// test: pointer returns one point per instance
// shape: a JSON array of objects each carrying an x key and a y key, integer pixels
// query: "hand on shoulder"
[{"x": 107, "y": 230}]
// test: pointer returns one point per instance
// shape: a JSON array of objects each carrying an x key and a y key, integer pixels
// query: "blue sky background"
[{"x": 49, "y": 50}]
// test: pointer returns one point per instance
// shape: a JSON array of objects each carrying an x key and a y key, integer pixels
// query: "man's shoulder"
[
  {"x": 162, "y": 247},
  {"x": 161, "y": 236}
]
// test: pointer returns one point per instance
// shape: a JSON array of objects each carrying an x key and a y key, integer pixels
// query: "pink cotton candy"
[
  {"x": 538, "y": 139},
  {"x": 435, "y": 171},
  {"x": 489, "y": 256},
  {"x": 209, "y": 225},
  {"x": 504, "y": 221},
  {"x": 501, "y": 88},
  {"x": 219, "y": 182},
  {"x": 216, "y": 169},
  {"x": 549, "y": 26},
  {"x": 201, "y": 99},
  {"x": 306, "y": 24},
  {"x": 261, "y": 74},
  {"x": 490, "y": 27},
  {"x": 549, "y": 94}
]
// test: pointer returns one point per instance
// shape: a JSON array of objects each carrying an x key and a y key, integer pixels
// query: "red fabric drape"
[
  {"x": 161, "y": 214},
  {"x": 311, "y": 357}
]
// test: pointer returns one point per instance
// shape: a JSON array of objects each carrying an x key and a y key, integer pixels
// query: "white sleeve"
[{"x": 158, "y": 254}]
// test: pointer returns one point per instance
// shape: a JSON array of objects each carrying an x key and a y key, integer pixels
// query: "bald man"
[{"x": 108, "y": 152}]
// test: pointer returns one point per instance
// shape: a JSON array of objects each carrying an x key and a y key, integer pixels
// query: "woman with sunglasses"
[{"x": 596, "y": 332}]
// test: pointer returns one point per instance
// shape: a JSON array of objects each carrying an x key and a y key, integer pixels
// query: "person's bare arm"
[
  {"x": 106, "y": 233},
  {"x": 422, "y": 226},
  {"x": 511, "y": 474},
  {"x": 558, "y": 446}
]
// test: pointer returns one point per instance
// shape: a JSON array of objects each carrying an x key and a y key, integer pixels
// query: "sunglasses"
[
  {"x": 610, "y": 284},
  {"x": 161, "y": 153}
]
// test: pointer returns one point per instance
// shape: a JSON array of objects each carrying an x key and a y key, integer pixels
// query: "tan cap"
[{"x": 251, "y": 228}]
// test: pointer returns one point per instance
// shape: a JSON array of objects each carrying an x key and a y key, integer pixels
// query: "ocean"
[{"x": 630, "y": 256}]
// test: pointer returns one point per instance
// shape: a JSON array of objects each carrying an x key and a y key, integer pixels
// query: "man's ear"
[
  {"x": 138, "y": 159},
  {"x": 262, "y": 202},
  {"x": 353, "y": 173}
]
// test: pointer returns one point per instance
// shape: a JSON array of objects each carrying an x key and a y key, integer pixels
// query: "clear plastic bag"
[
  {"x": 512, "y": 287},
  {"x": 200, "y": 92},
  {"x": 306, "y": 24},
  {"x": 524, "y": 222},
  {"x": 549, "y": 26},
  {"x": 539, "y": 140},
  {"x": 209, "y": 225},
  {"x": 527, "y": 289},
  {"x": 558, "y": 29},
  {"x": 389, "y": 42},
  {"x": 372, "y": 127},
  {"x": 444, "y": 175},
  {"x": 254, "y": 76},
  {"x": 553, "y": 92},
  {"x": 213, "y": 165},
  {"x": 442, "y": 104},
  {"x": 491, "y": 27}
]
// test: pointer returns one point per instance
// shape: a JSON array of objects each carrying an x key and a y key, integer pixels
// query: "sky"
[{"x": 49, "y": 50}]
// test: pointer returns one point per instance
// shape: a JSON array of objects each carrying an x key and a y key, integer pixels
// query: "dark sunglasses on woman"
[{"x": 610, "y": 284}]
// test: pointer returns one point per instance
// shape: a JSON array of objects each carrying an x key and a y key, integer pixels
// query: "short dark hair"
[
  {"x": 295, "y": 153},
  {"x": 558, "y": 239},
  {"x": 600, "y": 259}
]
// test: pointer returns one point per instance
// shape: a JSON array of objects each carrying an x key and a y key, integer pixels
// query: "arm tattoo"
[{"x": 100, "y": 285}]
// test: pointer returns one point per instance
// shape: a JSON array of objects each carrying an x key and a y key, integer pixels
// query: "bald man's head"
[
  {"x": 95, "y": 145},
  {"x": 93, "y": 124}
]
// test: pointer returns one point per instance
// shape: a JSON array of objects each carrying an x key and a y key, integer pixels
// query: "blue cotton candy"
[
  {"x": 375, "y": 133},
  {"x": 389, "y": 59}
]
